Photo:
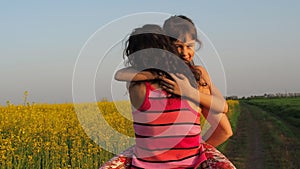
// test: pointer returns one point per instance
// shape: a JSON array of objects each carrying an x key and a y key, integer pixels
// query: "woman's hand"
[
  {"x": 212, "y": 101},
  {"x": 181, "y": 86}
]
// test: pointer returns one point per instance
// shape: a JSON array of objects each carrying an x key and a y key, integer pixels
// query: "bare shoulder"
[
  {"x": 137, "y": 92},
  {"x": 136, "y": 88},
  {"x": 202, "y": 69},
  {"x": 204, "y": 73}
]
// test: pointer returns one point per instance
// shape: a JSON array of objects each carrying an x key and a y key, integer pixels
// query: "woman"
[{"x": 183, "y": 35}]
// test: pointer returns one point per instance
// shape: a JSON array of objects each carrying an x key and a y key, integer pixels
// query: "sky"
[{"x": 68, "y": 51}]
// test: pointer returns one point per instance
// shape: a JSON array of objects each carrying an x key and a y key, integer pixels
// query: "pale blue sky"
[{"x": 257, "y": 42}]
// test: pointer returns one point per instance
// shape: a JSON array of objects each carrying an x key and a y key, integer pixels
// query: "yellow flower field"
[{"x": 57, "y": 136}]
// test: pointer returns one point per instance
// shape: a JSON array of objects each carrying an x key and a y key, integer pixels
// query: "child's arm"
[{"x": 130, "y": 74}]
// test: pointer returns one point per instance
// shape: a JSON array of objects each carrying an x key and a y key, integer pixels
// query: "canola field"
[{"x": 64, "y": 135}]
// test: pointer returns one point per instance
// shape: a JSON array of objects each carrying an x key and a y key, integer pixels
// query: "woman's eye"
[
  {"x": 191, "y": 45},
  {"x": 178, "y": 46}
]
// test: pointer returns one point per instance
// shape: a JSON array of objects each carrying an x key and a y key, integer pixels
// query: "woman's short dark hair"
[
  {"x": 149, "y": 48},
  {"x": 179, "y": 25}
]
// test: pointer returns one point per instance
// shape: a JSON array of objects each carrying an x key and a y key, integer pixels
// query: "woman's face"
[{"x": 186, "y": 47}]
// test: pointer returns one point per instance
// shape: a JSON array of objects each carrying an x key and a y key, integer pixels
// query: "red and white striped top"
[{"x": 167, "y": 132}]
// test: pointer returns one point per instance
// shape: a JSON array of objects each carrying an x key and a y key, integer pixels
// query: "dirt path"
[
  {"x": 263, "y": 140},
  {"x": 245, "y": 148}
]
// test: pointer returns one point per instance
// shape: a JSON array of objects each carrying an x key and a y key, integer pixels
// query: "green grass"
[{"x": 287, "y": 109}]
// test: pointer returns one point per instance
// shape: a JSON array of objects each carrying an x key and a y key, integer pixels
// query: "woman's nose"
[{"x": 184, "y": 50}]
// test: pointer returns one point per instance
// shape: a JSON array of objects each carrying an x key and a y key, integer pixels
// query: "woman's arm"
[
  {"x": 130, "y": 74},
  {"x": 213, "y": 89},
  {"x": 220, "y": 129},
  {"x": 212, "y": 103},
  {"x": 182, "y": 87},
  {"x": 219, "y": 132}
]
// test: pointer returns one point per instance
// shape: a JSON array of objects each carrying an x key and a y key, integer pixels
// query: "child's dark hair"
[{"x": 148, "y": 48}]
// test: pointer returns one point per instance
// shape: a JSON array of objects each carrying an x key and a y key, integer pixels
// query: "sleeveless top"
[{"x": 167, "y": 133}]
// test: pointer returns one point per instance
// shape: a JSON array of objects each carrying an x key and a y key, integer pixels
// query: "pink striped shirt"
[{"x": 167, "y": 132}]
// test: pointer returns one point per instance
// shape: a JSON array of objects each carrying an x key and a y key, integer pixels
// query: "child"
[{"x": 167, "y": 128}]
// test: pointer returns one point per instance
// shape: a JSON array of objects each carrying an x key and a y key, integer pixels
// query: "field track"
[{"x": 263, "y": 140}]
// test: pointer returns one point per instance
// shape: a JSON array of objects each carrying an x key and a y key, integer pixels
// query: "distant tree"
[
  {"x": 104, "y": 99},
  {"x": 25, "y": 96}
]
